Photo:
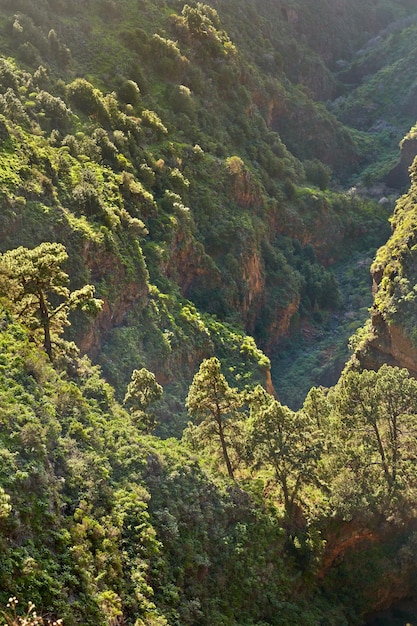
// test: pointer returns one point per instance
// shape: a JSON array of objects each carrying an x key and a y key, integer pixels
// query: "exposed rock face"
[
  {"x": 245, "y": 191},
  {"x": 269, "y": 385},
  {"x": 111, "y": 315},
  {"x": 271, "y": 107},
  {"x": 387, "y": 344},
  {"x": 125, "y": 292},
  {"x": 392, "y": 338},
  {"x": 348, "y": 537},
  {"x": 281, "y": 324},
  {"x": 381, "y": 540},
  {"x": 185, "y": 262},
  {"x": 254, "y": 281},
  {"x": 399, "y": 176},
  {"x": 407, "y": 608}
]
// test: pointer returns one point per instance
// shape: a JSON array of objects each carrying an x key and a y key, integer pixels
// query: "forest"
[{"x": 208, "y": 295}]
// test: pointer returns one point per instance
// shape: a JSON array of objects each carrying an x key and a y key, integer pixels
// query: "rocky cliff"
[
  {"x": 399, "y": 176},
  {"x": 392, "y": 335}
]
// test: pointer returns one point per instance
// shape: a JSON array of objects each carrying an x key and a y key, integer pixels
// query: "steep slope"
[
  {"x": 377, "y": 97},
  {"x": 101, "y": 523},
  {"x": 183, "y": 155},
  {"x": 162, "y": 172},
  {"x": 391, "y": 335}
]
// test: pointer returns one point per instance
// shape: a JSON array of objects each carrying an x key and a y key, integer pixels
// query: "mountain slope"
[
  {"x": 197, "y": 162},
  {"x": 162, "y": 157}
]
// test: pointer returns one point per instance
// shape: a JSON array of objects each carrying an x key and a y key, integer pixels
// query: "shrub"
[
  {"x": 317, "y": 173},
  {"x": 152, "y": 121},
  {"x": 60, "y": 52},
  {"x": 8, "y": 75},
  {"x": 54, "y": 108},
  {"x": 87, "y": 99},
  {"x": 167, "y": 56},
  {"x": 129, "y": 92}
]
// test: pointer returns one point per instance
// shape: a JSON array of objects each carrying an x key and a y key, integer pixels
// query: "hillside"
[
  {"x": 184, "y": 140},
  {"x": 191, "y": 197}
]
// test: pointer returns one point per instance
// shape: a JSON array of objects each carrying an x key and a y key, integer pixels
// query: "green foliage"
[
  {"x": 154, "y": 153},
  {"x": 142, "y": 391},
  {"x": 393, "y": 266},
  {"x": 129, "y": 92},
  {"x": 213, "y": 404},
  {"x": 117, "y": 124},
  {"x": 167, "y": 56},
  {"x": 291, "y": 443},
  {"x": 52, "y": 463},
  {"x": 317, "y": 173},
  {"x": 86, "y": 98},
  {"x": 380, "y": 408},
  {"x": 55, "y": 109},
  {"x": 30, "y": 279},
  {"x": 202, "y": 23},
  {"x": 151, "y": 120}
]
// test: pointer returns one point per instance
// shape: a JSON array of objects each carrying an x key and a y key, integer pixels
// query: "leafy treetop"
[{"x": 36, "y": 286}]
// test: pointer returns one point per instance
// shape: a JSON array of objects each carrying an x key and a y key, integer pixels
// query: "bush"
[
  {"x": 167, "y": 56},
  {"x": 87, "y": 99},
  {"x": 9, "y": 78},
  {"x": 54, "y": 108},
  {"x": 151, "y": 120},
  {"x": 317, "y": 173},
  {"x": 129, "y": 92}
]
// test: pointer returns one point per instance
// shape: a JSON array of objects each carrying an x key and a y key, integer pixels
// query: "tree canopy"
[
  {"x": 35, "y": 284},
  {"x": 142, "y": 391},
  {"x": 289, "y": 442},
  {"x": 378, "y": 410},
  {"x": 214, "y": 405}
]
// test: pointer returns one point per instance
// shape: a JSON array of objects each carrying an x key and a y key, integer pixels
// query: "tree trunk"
[
  {"x": 381, "y": 451},
  {"x": 44, "y": 316},
  {"x": 224, "y": 446},
  {"x": 288, "y": 500}
]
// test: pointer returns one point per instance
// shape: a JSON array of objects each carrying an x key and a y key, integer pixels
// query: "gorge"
[{"x": 208, "y": 270}]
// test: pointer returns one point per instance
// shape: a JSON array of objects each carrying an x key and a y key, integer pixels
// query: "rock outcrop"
[
  {"x": 387, "y": 343},
  {"x": 123, "y": 292},
  {"x": 392, "y": 337},
  {"x": 399, "y": 176}
]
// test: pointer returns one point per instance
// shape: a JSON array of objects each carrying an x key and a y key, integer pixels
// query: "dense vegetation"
[
  {"x": 99, "y": 520},
  {"x": 185, "y": 189},
  {"x": 152, "y": 153}
]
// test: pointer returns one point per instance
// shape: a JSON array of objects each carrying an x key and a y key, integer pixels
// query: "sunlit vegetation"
[{"x": 184, "y": 188}]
